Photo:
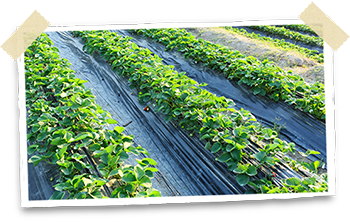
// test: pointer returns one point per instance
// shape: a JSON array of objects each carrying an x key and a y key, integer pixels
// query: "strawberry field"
[{"x": 159, "y": 112}]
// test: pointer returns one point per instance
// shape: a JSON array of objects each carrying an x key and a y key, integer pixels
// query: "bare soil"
[{"x": 307, "y": 68}]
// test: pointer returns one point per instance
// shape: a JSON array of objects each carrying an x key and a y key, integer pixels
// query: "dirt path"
[{"x": 310, "y": 70}]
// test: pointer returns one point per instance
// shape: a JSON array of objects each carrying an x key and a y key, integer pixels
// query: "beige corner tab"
[
  {"x": 323, "y": 26},
  {"x": 24, "y": 36}
]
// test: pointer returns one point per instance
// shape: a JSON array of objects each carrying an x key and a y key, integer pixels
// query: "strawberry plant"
[
  {"x": 286, "y": 33},
  {"x": 263, "y": 78},
  {"x": 300, "y": 27},
  {"x": 67, "y": 128},
  {"x": 313, "y": 54}
]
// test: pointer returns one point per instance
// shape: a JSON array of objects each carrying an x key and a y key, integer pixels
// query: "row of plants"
[
  {"x": 66, "y": 128},
  {"x": 263, "y": 77},
  {"x": 248, "y": 149},
  {"x": 313, "y": 54},
  {"x": 289, "y": 34},
  {"x": 300, "y": 27}
]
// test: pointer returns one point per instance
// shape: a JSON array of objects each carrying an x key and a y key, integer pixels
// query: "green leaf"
[
  {"x": 269, "y": 160},
  {"x": 158, "y": 108},
  {"x": 252, "y": 171},
  {"x": 315, "y": 165},
  {"x": 168, "y": 117},
  {"x": 264, "y": 189},
  {"x": 216, "y": 147},
  {"x": 152, "y": 169},
  {"x": 113, "y": 160},
  {"x": 111, "y": 121},
  {"x": 270, "y": 147},
  {"x": 42, "y": 149},
  {"x": 241, "y": 169},
  {"x": 244, "y": 135},
  {"x": 36, "y": 159},
  {"x": 139, "y": 172},
  {"x": 229, "y": 141},
  {"x": 240, "y": 145},
  {"x": 56, "y": 141},
  {"x": 256, "y": 91},
  {"x": 309, "y": 181},
  {"x": 123, "y": 194},
  {"x": 42, "y": 136},
  {"x": 242, "y": 179},
  {"x": 236, "y": 154},
  {"x": 68, "y": 136},
  {"x": 47, "y": 117},
  {"x": 292, "y": 147},
  {"x": 312, "y": 152},
  {"x": 127, "y": 144},
  {"x": 35, "y": 128},
  {"x": 155, "y": 193},
  {"x": 119, "y": 129},
  {"x": 230, "y": 147},
  {"x": 207, "y": 146},
  {"x": 67, "y": 170},
  {"x": 106, "y": 158},
  {"x": 129, "y": 178},
  {"x": 146, "y": 97},
  {"x": 95, "y": 147},
  {"x": 299, "y": 189},
  {"x": 98, "y": 182},
  {"x": 149, "y": 161},
  {"x": 57, "y": 195},
  {"x": 32, "y": 149},
  {"x": 293, "y": 181},
  {"x": 260, "y": 156},
  {"x": 184, "y": 96},
  {"x": 62, "y": 186},
  {"x": 145, "y": 182},
  {"x": 78, "y": 166},
  {"x": 114, "y": 172},
  {"x": 268, "y": 133},
  {"x": 205, "y": 136},
  {"x": 86, "y": 102},
  {"x": 81, "y": 136},
  {"x": 303, "y": 154},
  {"x": 167, "y": 110},
  {"x": 224, "y": 157},
  {"x": 134, "y": 46},
  {"x": 149, "y": 173},
  {"x": 97, "y": 194},
  {"x": 123, "y": 155},
  {"x": 75, "y": 106},
  {"x": 98, "y": 153},
  {"x": 141, "y": 194},
  {"x": 142, "y": 150},
  {"x": 274, "y": 191},
  {"x": 177, "y": 111},
  {"x": 64, "y": 108},
  {"x": 109, "y": 149},
  {"x": 62, "y": 151},
  {"x": 312, "y": 166},
  {"x": 232, "y": 165}
]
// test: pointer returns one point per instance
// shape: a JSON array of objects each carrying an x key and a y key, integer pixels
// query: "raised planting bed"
[
  {"x": 263, "y": 77},
  {"x": 252, "y": 151},
  {"x": 286, "y": 33},
  {"x": 313, "y": 54},
  {"x": 300, "y": 27},
  {"x": 67, "y": 129}
]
